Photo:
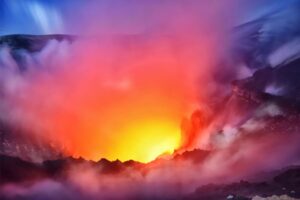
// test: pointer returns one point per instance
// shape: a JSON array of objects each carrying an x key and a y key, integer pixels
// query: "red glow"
[{"x": 113, "y": 101}]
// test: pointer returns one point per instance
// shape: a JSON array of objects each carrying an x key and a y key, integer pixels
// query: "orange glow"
[
  {"x": 111, "y": 101},
  {"x": 147, "y": 140}
]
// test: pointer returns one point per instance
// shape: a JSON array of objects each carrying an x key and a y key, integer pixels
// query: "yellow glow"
[{"x": 148, "y": 139}]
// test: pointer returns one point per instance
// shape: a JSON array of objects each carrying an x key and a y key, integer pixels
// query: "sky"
[{"x": 117, "y": 17}]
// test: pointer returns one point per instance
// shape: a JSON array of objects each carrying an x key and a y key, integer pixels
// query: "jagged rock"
[
  {"x": 31, "y": 43},
  {"x": 274, "y": 197},
  {"x": 14, "y": 170},
  {"x": 196, "y": 155}
]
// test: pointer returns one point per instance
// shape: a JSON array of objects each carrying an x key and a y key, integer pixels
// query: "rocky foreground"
[{"x": 284, "y": 183}]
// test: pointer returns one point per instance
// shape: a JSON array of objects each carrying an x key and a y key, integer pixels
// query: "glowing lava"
[{"x": 148, "y": 139}]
